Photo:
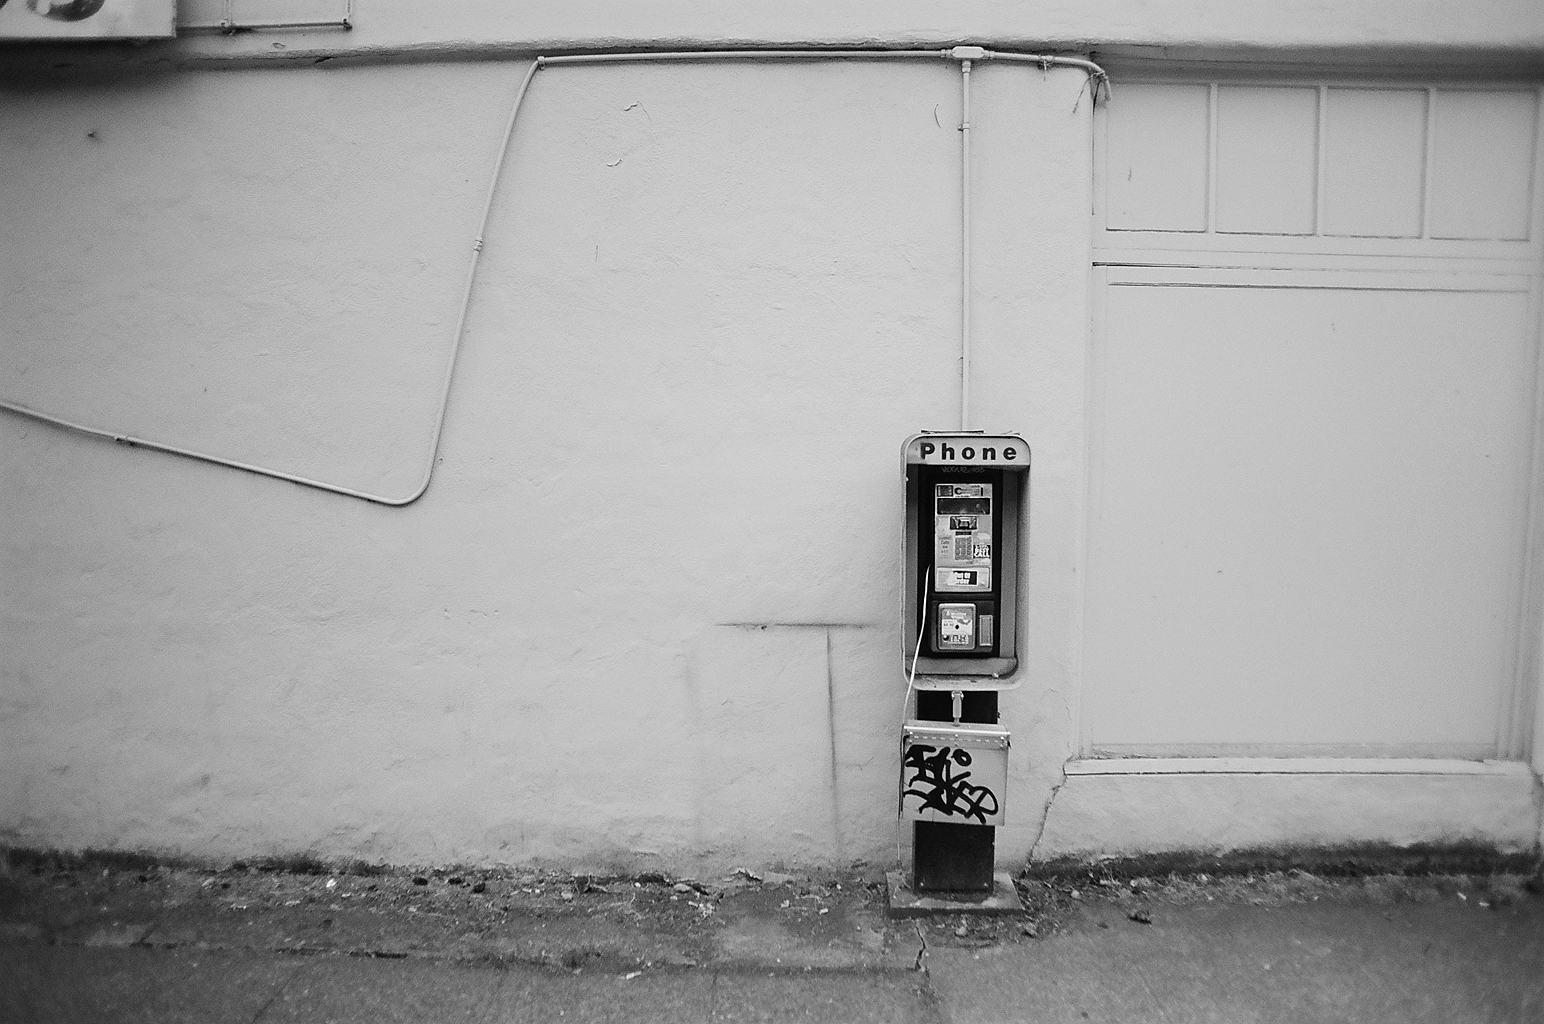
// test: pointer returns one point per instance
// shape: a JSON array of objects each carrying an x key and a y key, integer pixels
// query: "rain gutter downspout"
[{"x": 965, "y": 54}]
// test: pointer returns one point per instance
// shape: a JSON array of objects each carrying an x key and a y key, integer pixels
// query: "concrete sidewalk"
[{"x": 247, "y": 945}]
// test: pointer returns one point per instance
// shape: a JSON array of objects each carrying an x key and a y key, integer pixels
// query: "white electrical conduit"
[
  {"x": 965, "y": 54},
  {"x": 965, "y": 190}
]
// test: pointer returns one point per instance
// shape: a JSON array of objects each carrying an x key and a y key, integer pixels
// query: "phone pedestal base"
[
  {"x": 946, "y": 857},
  {"x": 904, "y": 901},
  {"x": 950, "y": 857}
]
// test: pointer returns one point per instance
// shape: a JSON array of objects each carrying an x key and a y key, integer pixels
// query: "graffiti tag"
[{"x": 933, "y": 781}]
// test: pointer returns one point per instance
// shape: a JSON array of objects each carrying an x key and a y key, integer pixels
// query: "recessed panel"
[
  {"x": 1375, "y": 151},
  {"x": 1482, "y": 164},
  {"x": 1155, "y": 159},
  {"x": 1307, "y": 517},
  {"x": 1267, "y": 157}
]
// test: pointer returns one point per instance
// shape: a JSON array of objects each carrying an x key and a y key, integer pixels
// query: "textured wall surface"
[
  {"x": 646, "y": 614},
  {"x": 1508, "y": 25},
  {"x": 647, "y": 611}
]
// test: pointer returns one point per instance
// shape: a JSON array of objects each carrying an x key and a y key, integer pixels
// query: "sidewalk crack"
[
  {"x": 277, "y": 993},
  {"x": 933, "y": 1005},
  {"x": 144, "y": 936}
]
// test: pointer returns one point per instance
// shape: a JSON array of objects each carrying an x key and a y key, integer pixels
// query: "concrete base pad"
[{"x": 904, "y": 902}]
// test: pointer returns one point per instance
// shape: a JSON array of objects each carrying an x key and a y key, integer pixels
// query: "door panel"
[{"x": 1307, "y": 516}]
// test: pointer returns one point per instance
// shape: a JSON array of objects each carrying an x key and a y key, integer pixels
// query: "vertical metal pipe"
[{"x": 965, "y": 245}]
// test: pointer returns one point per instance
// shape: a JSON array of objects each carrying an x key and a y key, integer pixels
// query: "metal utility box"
[{"x": 954, "y": 772}]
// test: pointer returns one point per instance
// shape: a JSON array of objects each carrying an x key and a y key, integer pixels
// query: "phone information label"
[{"x": 962, "y": 532}]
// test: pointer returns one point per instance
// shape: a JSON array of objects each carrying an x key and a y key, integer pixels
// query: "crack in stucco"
[
  {"x": 1538, "y": 814},
  {"x": 1045, "y": 814}
]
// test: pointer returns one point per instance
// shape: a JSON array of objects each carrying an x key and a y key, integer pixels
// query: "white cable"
[
  {"x": 911, "y": 678},
  {"x": 900, "y": 803},
  {"x": 976, "y": 53},
  {"x": 709, "y": 55},
  {"x": 450, "y": 366}
]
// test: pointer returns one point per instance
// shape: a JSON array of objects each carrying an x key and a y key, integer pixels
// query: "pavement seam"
[
  {"x": 483, "y": 1014},
  {"x": 505, "y": 962}
]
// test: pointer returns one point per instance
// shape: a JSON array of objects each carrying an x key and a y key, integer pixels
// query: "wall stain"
[
  {"x": 798, "y": 625},
  {"x": 839, "y": 847}
]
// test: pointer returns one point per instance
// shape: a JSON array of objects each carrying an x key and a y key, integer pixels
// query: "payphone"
[
  {"x": 960, "y": 559},
  {"x": 965, "y": 494}
]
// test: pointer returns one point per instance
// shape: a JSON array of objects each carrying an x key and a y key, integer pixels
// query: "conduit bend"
[{"x": 964, "y": 54}]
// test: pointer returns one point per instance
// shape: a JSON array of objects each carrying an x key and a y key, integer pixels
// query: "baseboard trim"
[
  {"x": 1295, "y": 766},
  {"x": 1130, "y": 807}
]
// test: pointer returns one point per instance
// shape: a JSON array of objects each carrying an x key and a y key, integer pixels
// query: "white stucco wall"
[
  {"x": 646, "y": 614},
  {"x": 1364, "y": 25},
  {"x": 647, "y": 611},
  {"x": 1507, "y": 23}
]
